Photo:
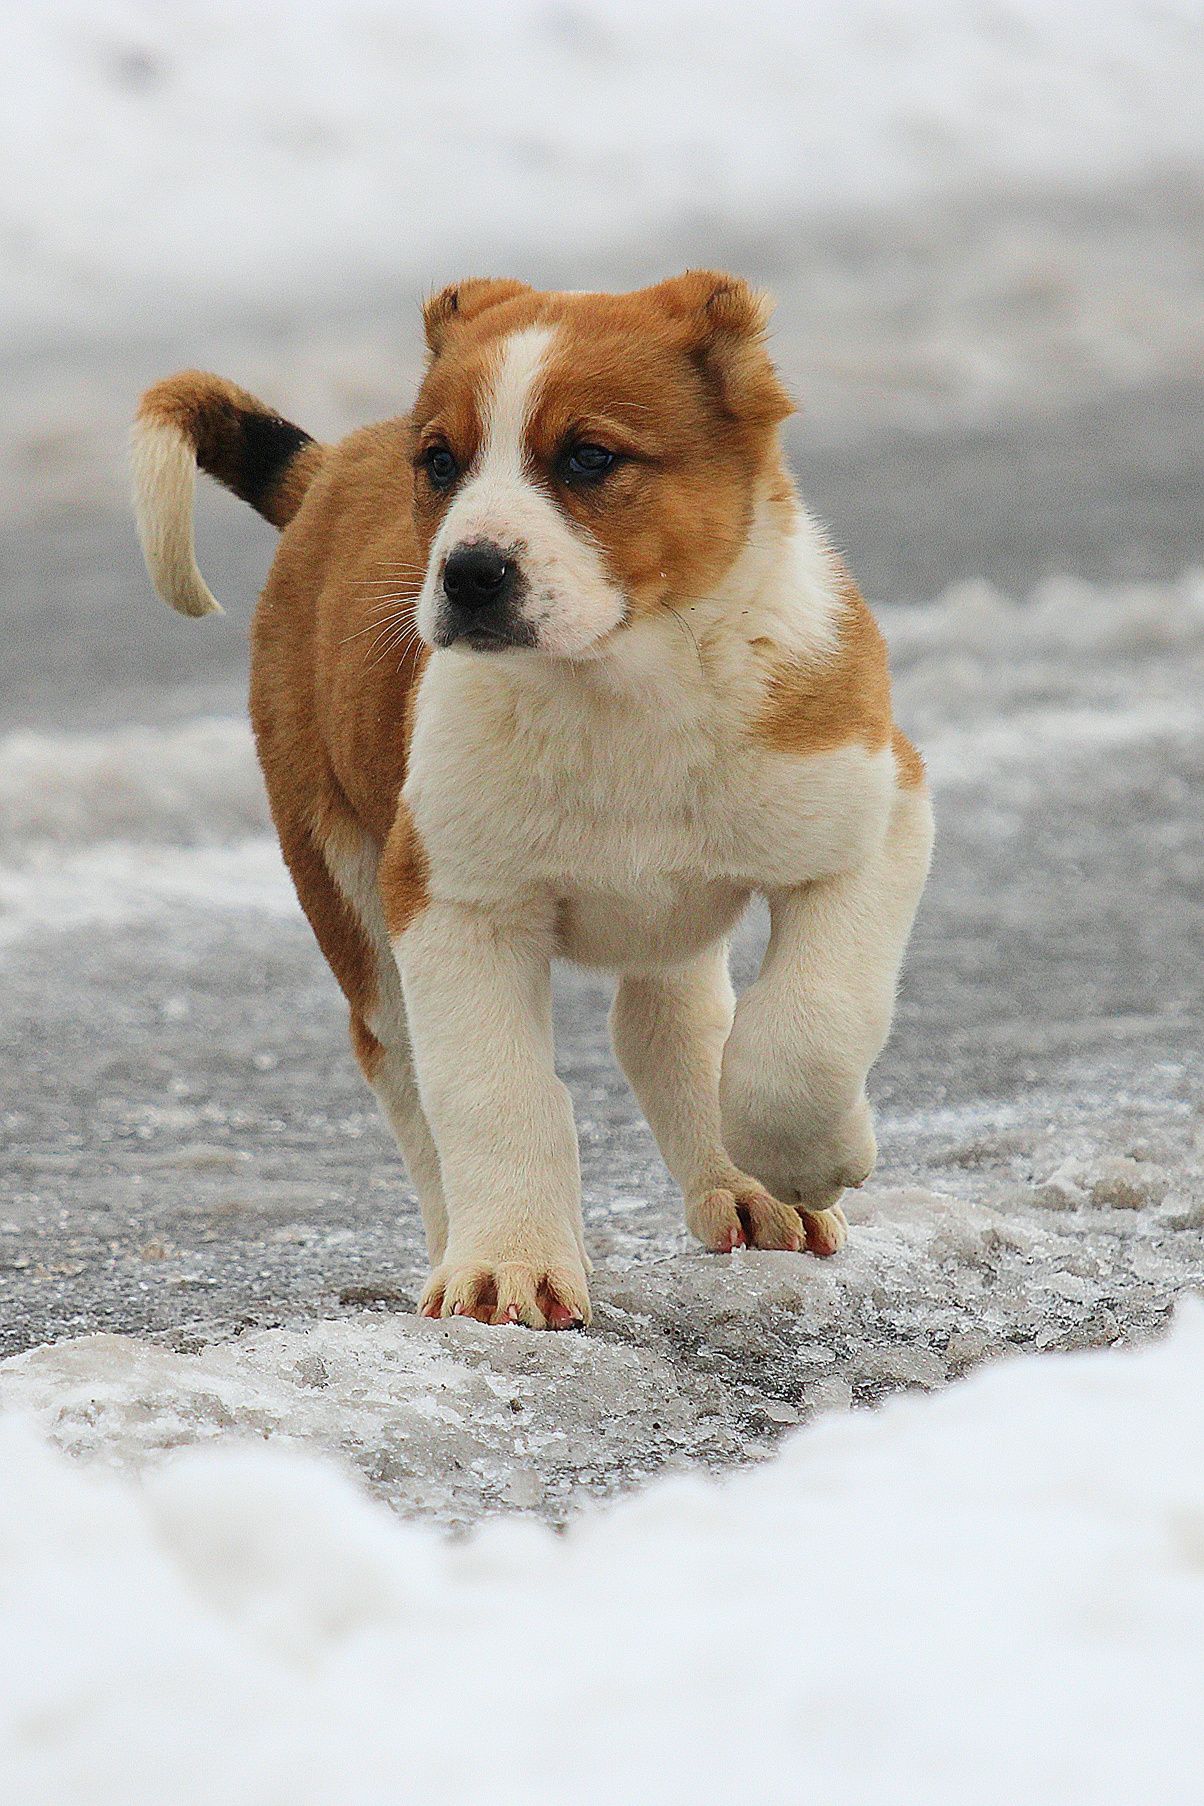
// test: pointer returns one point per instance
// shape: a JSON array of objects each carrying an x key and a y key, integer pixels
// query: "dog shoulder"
[{"x": 836, "y": 695}]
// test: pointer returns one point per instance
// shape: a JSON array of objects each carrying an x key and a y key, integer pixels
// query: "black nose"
[{"x": 477, "y": 577}]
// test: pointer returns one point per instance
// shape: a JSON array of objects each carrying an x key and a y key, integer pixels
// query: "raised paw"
[
  {"x": 744, "y": 1217},
  {"x": 502, "y": 1292},
  {"x": 812, "y": 1173}
]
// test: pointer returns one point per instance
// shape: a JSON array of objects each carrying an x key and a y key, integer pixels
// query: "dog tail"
[{"x": 195, "y": 419}]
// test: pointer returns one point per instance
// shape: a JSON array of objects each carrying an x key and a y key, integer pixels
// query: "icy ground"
[
  {"x": 195, "y": 1166},
  {"x": 990, "y": 1596}
]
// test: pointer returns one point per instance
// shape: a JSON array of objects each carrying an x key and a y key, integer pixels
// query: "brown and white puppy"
[{"x": 557, "y": 666}]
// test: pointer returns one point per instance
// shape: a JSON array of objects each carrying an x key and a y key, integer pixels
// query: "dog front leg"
[
  {"x": 479, "y": 999},
  {"x": 669, "y": 1029},
  {"x": 808, "y": 1030}
]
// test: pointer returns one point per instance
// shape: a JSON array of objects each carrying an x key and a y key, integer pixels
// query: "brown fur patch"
[
  {"x": 461, "y": 302},
  {"x": 815, "y": 705},
  {"x": 909, "y": 762},
  {"x": 365, "y": 1046},
  {"x": 335, "y": 663},
  {"x": 404, "y": 874}
]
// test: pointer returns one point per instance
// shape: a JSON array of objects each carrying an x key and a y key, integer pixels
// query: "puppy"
[{"x": 557, "y": 666}]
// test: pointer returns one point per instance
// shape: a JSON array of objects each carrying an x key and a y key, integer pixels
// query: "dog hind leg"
[{"x": 335, "y": 879}]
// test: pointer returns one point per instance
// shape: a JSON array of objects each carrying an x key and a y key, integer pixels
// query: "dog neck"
[{"x": 779, "y": 598}]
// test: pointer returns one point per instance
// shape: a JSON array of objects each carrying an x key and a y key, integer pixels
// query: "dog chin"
[{"x": 569, "y": 636}]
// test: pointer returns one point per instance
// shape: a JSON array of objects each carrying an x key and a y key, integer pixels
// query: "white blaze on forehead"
[{"x": 508, "y": 405}]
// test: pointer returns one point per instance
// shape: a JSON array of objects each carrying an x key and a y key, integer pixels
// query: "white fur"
[
  {"x": 570, "y": 601},
  {"x": 164, "y": 472},
  {"x": 792, "y": 1092},
  {"x": 620, "y": 812},
  {"x": 479, "y": 1000}
]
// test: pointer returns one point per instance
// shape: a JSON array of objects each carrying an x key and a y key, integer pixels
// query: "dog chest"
[{"x": 649, "y": 829}]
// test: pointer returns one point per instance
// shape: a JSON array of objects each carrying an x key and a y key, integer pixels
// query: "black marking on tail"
[
  {"x": 247, "y": 449},
  {"x": 269, "y": 445}
]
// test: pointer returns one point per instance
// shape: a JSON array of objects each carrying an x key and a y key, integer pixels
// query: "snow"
[
  {"x": 982, "y": 1596},
  {"x": 176, "y": 159},
  {"x": 179, "y": 786},
  {"x": 691, "y": 1361}
]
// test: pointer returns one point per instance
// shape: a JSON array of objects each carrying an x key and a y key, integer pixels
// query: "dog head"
[{"x": 581, "y": 461}]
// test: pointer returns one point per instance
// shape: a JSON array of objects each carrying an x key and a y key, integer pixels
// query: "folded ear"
[
  {"x": 464, "y": 301},
  {"x": 723, "y": 322}
]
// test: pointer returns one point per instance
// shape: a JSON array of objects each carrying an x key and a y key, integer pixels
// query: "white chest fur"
[{"x": 632, "y": 792}]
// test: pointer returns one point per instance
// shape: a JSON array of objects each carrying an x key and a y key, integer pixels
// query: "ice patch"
[
  {"x": 989, "y": 1595},
  {"x": 115, "y": 883},
  {"x": 182, "y": 786}
]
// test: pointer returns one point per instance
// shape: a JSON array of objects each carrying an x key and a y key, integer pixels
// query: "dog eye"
[
  {"x": 585, "y": 463},
  {"x": 441, "y": 467}
]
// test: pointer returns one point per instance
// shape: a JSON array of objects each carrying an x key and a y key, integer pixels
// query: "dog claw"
[
  {"x": 508, "y": 1293},
  {"x": 725, "y": 1220}
]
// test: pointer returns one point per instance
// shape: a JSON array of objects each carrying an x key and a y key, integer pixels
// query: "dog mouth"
[{"x": 482, "y": 638}]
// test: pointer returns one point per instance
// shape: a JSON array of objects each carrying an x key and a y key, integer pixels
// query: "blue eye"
[
  {"x": 588, "y": 462},
  {"x": 441, "y": 467}
]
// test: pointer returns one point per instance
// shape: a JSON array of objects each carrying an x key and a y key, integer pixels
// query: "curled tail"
[{"x": 194, "y": 419}]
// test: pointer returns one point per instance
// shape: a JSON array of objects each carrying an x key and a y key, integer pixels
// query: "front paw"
[
  {"x": 541, "y": 1295},
  {"x": 743, "y": 1215},
  {"x": 809, "y": 1167}
]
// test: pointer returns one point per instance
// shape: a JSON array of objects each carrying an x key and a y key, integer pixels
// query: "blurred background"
[{"x": 981, "y": 218}]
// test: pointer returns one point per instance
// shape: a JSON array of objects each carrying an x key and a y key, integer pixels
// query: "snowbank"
[
  {"x": 166, "y": 160},
  {"x": 993, "y": 1594}
]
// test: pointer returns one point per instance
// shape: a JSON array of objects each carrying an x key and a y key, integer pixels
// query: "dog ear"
[
  {"x": 723, "y": 323},
  {"x": 464, "y": 301}
]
